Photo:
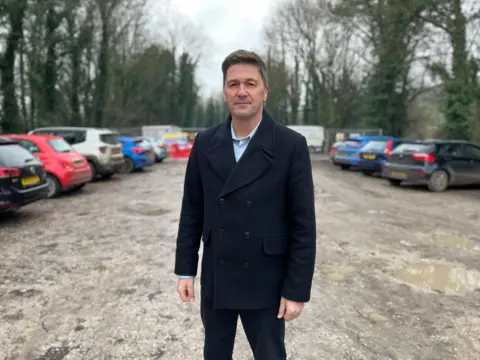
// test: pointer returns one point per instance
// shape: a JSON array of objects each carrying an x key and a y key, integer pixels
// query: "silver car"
[{"x": 158, "y": 147}]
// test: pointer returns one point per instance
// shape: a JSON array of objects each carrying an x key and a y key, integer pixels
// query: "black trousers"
[{"x": 265, "y": 332}]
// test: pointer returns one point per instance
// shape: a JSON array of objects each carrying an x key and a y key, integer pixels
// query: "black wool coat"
[{"x": 256, "y": 217}]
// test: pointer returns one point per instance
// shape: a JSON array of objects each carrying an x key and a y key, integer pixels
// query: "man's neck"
[{"x": 243, "y": 127}]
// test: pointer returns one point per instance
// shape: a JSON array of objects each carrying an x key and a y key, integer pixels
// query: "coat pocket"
[{"x": 275, "y": 244}]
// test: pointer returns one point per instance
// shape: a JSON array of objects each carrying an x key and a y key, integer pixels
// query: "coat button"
[
  {"x": 247, "y": 235},
  {"x": 246, "y": 265},
  {"x": 221, "y": 201},
  {"x": 221, "y": 231},
  {"x": 249, "y": 203}
]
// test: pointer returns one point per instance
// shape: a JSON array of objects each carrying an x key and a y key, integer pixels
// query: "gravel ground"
[{"x": 89, "y": 276}]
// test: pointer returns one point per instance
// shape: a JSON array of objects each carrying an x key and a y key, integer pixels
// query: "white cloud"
[{"x": 228, "y": 25}]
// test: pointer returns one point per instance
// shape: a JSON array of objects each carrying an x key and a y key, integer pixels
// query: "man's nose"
[{"x": 242, "y": 91}]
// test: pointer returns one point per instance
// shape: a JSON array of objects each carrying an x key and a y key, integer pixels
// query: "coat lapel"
[
  {"x": 221, "y": 155},
  {"x": 256, "y": 159}
]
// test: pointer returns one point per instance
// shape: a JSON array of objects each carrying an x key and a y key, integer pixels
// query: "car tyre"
[
  {"x": 94, "y": 170},
  {"x": 128, "y": 166},
  {"x": 368, "y": 173},
  {"x": 395, "y": 182},
  {"x": 54, "y": 186},
  {"x": 344, "y": 167},
  {"x": 439, "y": 181}
]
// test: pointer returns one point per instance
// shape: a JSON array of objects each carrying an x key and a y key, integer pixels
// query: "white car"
[{"x": 99, "y": 146}]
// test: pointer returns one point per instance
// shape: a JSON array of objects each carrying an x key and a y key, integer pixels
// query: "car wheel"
[
  {"x": 368, "y": 173},
  {"x": 54, "y": 187},
  {"x": 128, "y": 166},
  {"x": 94, "y": 170},
  {"x": 438, "y": 181},
  {"x": 345, "y": 167},
  {"x": 395, "y": 182}
]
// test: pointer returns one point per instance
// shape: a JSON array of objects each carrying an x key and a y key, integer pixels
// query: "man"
[{"x": 249, "y": 196}]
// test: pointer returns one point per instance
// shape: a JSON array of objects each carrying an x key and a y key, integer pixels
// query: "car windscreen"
[
  {"x": 14, "y": 155},
  {"x": 110, "y": 138},
  {"x": 414, "y": 147},
  {"x": 60, "y": 145},
  {"x": 352, "y": 143},
  {"x": 375, "y": 145}
]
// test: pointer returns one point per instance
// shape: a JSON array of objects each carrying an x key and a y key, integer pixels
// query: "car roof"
[
  {"x": 35, "y": 136},
  {"x": 6, "y": 141},
  {"x": 73, "y": 128}
]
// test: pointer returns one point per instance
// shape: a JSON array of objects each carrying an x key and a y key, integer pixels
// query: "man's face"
[{"x": 244, "y": 91}]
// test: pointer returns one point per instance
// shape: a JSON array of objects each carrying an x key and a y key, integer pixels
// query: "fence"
[{"x": 332, "y": 135}]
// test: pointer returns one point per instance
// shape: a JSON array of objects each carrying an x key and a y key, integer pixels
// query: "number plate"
[
  {"x": 30, "y": 180},
  {"x": 398, "y": 175},
  {"x": 369, "y": 156},
  {"x": 342, "y": 153}
]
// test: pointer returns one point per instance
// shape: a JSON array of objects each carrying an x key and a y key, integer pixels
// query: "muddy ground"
[{"x": 89, "y": 276}]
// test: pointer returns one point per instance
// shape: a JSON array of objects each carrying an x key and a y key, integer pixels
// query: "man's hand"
[
  {"x": 289, "y": 310},
  {"x": 185, "y": 289}
]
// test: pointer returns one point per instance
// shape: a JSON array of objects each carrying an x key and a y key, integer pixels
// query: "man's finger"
[
  {"x": 182, "y": 292},
  {"x": 281, "y": 310},
  {"x": 190, "y": 293}
]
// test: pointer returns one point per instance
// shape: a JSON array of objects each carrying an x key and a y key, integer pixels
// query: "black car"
[
  {"x": 22, "y": 177},
  {"x": 435, "y": 163}
]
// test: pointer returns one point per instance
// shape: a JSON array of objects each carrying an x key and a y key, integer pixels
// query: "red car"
[
  {"x": 66, "y": 169},
  {"x": 333, "y": 149}
]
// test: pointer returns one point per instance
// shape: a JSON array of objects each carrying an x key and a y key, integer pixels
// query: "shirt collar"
[{"x": 234, "y": 137}]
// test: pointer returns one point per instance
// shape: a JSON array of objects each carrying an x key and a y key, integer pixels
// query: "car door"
[
  {"x": 472, "y": 154},
  {"x": 453, "y": 158}
]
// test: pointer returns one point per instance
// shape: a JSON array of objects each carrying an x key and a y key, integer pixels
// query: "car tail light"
[
  {"x": 103, "y": 149},
  {"x": 138, "y": 150},
  {"x": 388, "y": 148},
  {"x": 6, "y": 173},
  {"x": 424, "y": 157},
  {"x": 160, "y": 146}
]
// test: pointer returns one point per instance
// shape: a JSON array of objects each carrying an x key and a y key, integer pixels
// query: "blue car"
[
  {"x": 348, "y": 154},
  {"x": 135, "y": 154},
  {"x": 375, "y": 153}
]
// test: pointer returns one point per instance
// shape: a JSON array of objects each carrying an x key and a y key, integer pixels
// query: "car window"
[
  {"x": 14, "y": 155},
  {"x": 471, "y": 151},
  {"x": 60, "y": 145},
  {"x": 375, "y": 145},
  {"x": 30, "y": 146},
  {"x": 110, "y": 138},
  {"x": 355, "y": 143},
  {"x": 451, "y": 150},
  {"x": 72, "y": 137},
  {"x": 414, "y": 147}
]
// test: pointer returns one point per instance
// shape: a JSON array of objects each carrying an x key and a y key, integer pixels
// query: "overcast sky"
[{"x": 229, "y": 25}]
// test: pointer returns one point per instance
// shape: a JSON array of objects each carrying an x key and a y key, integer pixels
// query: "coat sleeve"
[
  {"x": 301, "y": 209},
  {"x": 191, "y": 218}
]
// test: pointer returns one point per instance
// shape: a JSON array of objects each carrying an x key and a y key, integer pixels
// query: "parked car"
[
  {"x": 435, "y": 163},
  {"x": 99, "y": 146},
  {"x": 66, "y": 169},
  {"x": 22, "y": 177},
  {"x": 375, "y": 153},
  {"x": 149, "y": 151},
  {"x": 333, "y": 149},
  {"x": 136, "y": 156},
  {"x": 348, "y": 154},
  {"x": 160, "y": 150}
]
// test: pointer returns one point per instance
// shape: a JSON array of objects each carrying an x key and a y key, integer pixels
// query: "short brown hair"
[{"x": 244, "y": 57}]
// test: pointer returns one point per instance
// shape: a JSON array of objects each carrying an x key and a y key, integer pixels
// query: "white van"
[{"x": 314, "y": 134}]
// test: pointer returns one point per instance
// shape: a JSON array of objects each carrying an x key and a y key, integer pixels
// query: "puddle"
[
  {"x": 455, "y": 241},
  {"x": 440, "y": 277}
]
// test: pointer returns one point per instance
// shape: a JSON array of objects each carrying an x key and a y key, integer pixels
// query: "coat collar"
[{"x": 256, "y": 159}]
